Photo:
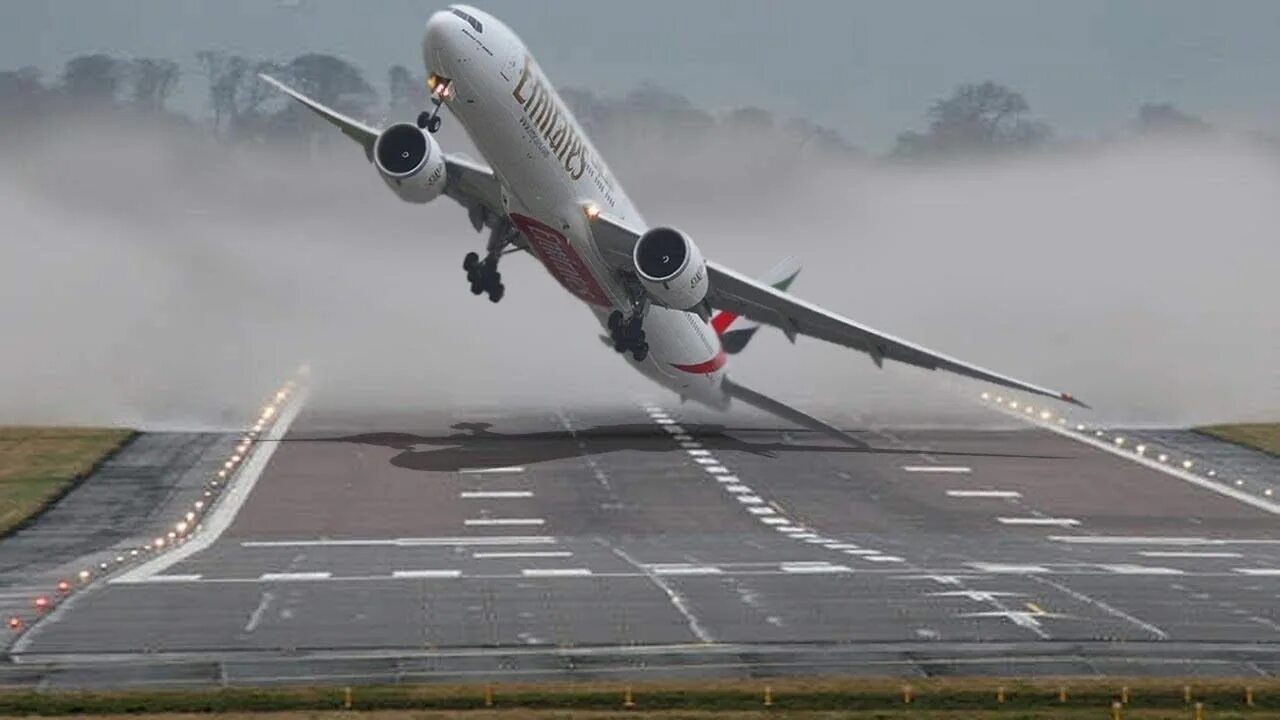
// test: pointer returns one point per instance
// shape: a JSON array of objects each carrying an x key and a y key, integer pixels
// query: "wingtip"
[{"x": 1068, "y": 397}]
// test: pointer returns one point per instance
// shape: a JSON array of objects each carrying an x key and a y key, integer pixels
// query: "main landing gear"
[
  {"x": 484, "y": 276},
  {"x": 628, "y": 335}
]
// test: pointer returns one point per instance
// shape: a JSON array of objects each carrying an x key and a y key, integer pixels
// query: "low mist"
[{"x": 155, "y": 278}]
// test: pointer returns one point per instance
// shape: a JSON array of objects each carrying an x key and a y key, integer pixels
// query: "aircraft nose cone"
[{"x": 437, "y": 40}]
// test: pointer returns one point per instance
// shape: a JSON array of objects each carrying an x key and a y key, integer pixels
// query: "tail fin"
[
  {"x": 786, "y": 412},
  {"x": 736, "y": 331}
]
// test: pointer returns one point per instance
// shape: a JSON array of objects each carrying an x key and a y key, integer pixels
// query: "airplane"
[{"x": 547, "y": 191}]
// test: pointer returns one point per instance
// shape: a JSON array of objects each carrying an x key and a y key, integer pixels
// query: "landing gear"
[
  {"x": 484, "y": 276},
  {"x": 440, "y": 89},
  {"x": 628, "y": 335},
  {"x": 430, "y": 121}
]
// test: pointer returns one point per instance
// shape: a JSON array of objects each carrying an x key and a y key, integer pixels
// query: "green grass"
[
  {"x": 37, "y": 465},
  {"x": 864, "y": 699},
  {"x": 1259, "y": 436}
]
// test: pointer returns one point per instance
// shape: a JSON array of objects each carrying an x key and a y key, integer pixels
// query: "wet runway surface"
[{"x": 458, "y": 545}]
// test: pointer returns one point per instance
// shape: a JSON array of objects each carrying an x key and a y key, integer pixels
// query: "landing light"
[{"x": 592, "y": 211}]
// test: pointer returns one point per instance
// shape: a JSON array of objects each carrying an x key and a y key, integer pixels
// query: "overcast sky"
[{"x": 867, "y": 69}]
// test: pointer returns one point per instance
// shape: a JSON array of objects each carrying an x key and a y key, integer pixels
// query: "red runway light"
[
  {"x": 42, "y": 603},
  {"x": 64, "y": 586},
  {"x": 15, "y": 623}
]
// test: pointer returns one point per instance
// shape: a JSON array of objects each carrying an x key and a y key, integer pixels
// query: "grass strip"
[
  {"x": 984, "y": 697},
  {"x": 39, "y": 465},
  {"x": 1259, "y": 436}
]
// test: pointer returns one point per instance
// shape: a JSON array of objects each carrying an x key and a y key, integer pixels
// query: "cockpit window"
[{"x": 474, "y": 23}]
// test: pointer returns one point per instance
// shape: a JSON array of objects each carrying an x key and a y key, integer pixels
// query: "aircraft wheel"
[
  {"x": 615, "y": 321},
  {"x": 470, "y": 262},
  {"x": 497, "y": 292},
  {"x": 476, "y": 288},
  {"x": 433, "y": 124},
  {"x": 640, "y": 352},
  {"x": 424, "y": 118}
]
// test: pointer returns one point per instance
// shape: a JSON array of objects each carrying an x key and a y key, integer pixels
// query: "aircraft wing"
[
  {"x": 472, "y": 184},
  {"x": 740, "y": 294}
]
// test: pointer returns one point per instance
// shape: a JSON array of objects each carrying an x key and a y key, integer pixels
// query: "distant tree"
[
  {"x": 407, "y": 93},
  {"x": 93, "y": 78},
  {"x": 332, "y": 81},
  {"x": 822, "y": 140},
  {"x": 750, "y": 119},
  {"x": 236, "y": 94},
  {"x": 1165, "y": 118},
  {"x": 975, "y": 119},
  {"x": 22, "y": 95},
  {"x": 153, "y": 81}
]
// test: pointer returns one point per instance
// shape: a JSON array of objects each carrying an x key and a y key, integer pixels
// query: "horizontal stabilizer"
[{"x": 786, "y": 412}]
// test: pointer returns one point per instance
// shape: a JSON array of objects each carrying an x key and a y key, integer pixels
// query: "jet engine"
[
  {"x": 671, "y": 268},
  {"x": 410, "y": 162}
]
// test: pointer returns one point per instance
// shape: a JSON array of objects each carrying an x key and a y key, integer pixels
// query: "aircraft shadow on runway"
[{"x": 476, "y": 446}]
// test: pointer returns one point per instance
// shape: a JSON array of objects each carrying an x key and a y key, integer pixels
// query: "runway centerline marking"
[
  {"x": 984, "y": 494},
  {"x": 511, "y": 469},
  {"x": 1059, "y": 522},
  {"x": 1130, "y": 569},
  {"x": 527, "y": 554},
  {"x": 483, "y": 522},
  {"x": 494, "y": 494},
  {"x": 1258, "y": 571},
  {"x": 555, "y": 572},
  {"x": 1156, "y": 540},
  {"x": 1190, "y": 554},
  {"x": 405, "y": 574},
  {"x": 1007, "y": 568},
  {"x": 291, "y": 576},
  {"x": 956, "y": 469}
]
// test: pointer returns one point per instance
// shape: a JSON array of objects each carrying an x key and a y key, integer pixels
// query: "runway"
[{"x": 642, "y": 542}]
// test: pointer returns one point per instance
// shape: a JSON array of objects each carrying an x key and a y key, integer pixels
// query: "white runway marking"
[
  {"x": 1187, "y": 554},
  {"x": 815, "y": 568},
  {"x": 678, "y": 601},
  {"x": 1128, "y": 569},
  {"x": 555, "y": 572},
  {"x": 706, "y": 460},
  {"x": 1007, "y": 568},
  {"x": 409, "y": 542},
  {"x": 737, "y": 489},
  {"x": 681, "y": 569},
  {"x": 984, "y": 494},
  {"x": 883, "y": 558},
  {"x": 775, "y": 521},
  {"x": 699, "y": 453},
  {"x": 256, "y": 616},
  {"x": 164, "y": 579},
  {"x": 531, "y": 554},
  {"x": 484, "y": 522},
  {"x": 762, "y": 510},
  {"x": 292, "y": 576},
  {"x": 860, "y": 551},
  {"x": 229, "y": 504},
  {"x": 1156, "y": 540},
  {"x": 495, "y": 470},
  {"x": 426, "y": 573},
  {"x": 957, "y": 469},
  {"x": 1114, "y": 611},
  {"x": 1258, "y": 571},
  {"x": 1059, "y": 522},
  {"x": 494, "y": 494},
  {"x": 750, "y": 500}
]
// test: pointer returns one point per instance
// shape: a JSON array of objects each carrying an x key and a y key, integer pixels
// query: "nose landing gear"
[
  {"x": 628, "y": 335},
  {"x": 440, "y": 88}
]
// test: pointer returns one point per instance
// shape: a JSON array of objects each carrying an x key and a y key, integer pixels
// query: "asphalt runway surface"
[{"x": 642, "y": 543}]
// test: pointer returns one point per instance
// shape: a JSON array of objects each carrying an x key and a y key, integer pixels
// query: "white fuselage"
[{"x": 550, "y": 172}]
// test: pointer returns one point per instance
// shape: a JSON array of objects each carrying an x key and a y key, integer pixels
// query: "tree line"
[{"x": 974, "y": 119}]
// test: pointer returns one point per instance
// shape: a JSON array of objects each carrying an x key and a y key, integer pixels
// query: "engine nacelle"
[
  {"x": 410, "y": 162},
  {"x": 671, "y": 268}
]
